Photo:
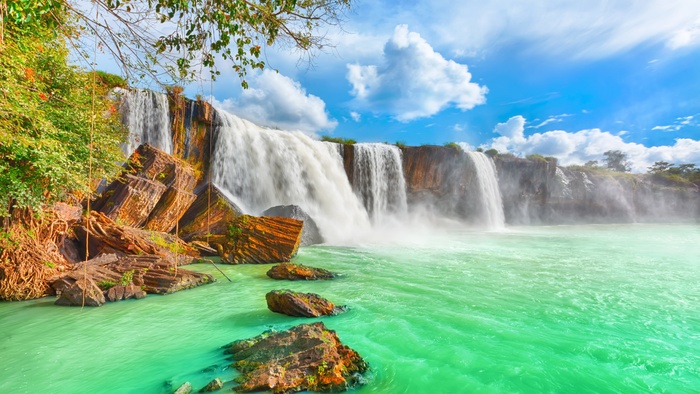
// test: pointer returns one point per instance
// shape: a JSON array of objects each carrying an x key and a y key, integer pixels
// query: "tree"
[
  {"x": 491, "y": 153},
  {"x": 617, "y": 161},
  {"x": 659, "y": 167},
  {"x": 48, "y": 113},
  {"x": 592, "y": 164},
  {"x": 177, "y": 39}
]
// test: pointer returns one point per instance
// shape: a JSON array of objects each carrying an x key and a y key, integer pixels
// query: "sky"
[{"x": 569, "y": 79}]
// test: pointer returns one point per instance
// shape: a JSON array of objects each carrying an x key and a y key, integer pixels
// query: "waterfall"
[
  {"x": 490, "y": 195},
  {"x": 146, "y": 116},
  {"x": 378, "y": 179},
  {"x": 262, "y": 168}
]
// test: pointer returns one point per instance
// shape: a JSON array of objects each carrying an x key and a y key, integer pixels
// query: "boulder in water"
[
  {"x": 296, "y": 304},
  {"x": 84, "y": 291},
  {"x": 306, "y": 357},
  {"x": 259, "y": 240},
  {"x": 291, "y": 271},
  {"x": 185, "y": 388},
  {"x": 214, "y": 385},
  {"x": 124, "y": 292},
  {"x": 310, "y": 235}
]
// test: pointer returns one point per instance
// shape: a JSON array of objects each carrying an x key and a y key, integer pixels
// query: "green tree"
[
  {"x": 47, "y": 117},
  {"x": 659, "y": 167},
  {"x": 615, "y": 160},
  {"x": 491, "y": 152}
]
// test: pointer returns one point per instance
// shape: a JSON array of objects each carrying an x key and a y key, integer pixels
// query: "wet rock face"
[
  {"x": 259, "y": 240},
  {"x": 73, "y": 294},
  {"x": 310, "y": 235},
  {"x": 296, "y": 304},
  {"x": 306, "y": 357},
  {"x": 211, "y": 213},
  {"x": 289, "y": 271}
]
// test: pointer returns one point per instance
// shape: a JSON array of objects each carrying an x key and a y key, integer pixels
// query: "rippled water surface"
[{"x": 604, "y": 309}]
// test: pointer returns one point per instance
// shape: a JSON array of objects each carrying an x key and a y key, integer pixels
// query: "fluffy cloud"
[
  {"x": 274, "y": 100},
  {"x": 551, "y": 119},
  {"x": 582, "y": 146},
  {"x": 413, "y": 80}
]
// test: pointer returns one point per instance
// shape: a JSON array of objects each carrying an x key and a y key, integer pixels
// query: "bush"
[{"x": 338, "y": 140}]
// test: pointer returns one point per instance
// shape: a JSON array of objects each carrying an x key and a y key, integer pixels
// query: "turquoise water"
[{"x": 585, "y": 309}]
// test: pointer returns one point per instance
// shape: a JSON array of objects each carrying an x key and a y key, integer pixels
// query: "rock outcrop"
[
  {"x": 289, "y": 271},
  {"x": 259, "y": 240},
  {"x": 306, "y": 357},
  {"x": 154, "y": 191},
  {"x": 104, "y": 236},
  {"x": 210, "y": 214},
  {"x": 214, "y": 385},
  {"x": 83, "y": 291},
  {"x": 310, "y": 235},
  {"x": 291, "y": 303},
  {"x": 129, "y": 276}
]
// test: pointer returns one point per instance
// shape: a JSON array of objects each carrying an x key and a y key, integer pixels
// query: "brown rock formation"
[
  {"x": 130, "y": 200},
  {"x": 150, "y": 273},
  {"x": 83, "y": 291},
  {"x": 155, "y": 190},
  {"x": 291, "y": 303},
  {"x": 105, "y": 236},
  {"x": 214, "y": 385},
  {"x": 211, "y": 213},
  {"x": 306, "y": 357},
  {"x": 291, "y": 271},
  {"x": 124, "y": 292},
  {"x": 259, "y": 240}
]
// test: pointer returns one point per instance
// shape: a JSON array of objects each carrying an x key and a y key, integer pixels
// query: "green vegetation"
[
  {"x": 127, "y": 277},
  {"x": 106, "y": 284},
  {"x": 338, "y": 140},
  {"x": 615, "y": 160},
  {"x": 400, "y": 144},
  {"x": 683, "y": 174},
  {"x": 542, "y": 159},
  {"x": 491, "y": 153},
  {"x": 453, "y": 145},
  {"x": 46, "y": 114}
]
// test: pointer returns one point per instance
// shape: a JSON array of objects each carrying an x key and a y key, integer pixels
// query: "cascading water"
[
  {"x": 378, "y": 180},
  {"x": 146, "y": 115},
  {"x": 490, "y": 195},
  {"x": 262, "y": 168}
]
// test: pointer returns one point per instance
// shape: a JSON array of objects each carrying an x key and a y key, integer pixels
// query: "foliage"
[
  {"x": 46, "y": 114},
  {"x": 453, "y": 145},
  {"x": 400, "y": 144},
  {"x": 592, "y": 164},
  {"x": 106, "y": 284},
  {"x": 542, "y": 159},
  {"x": 176, "y": 39},
  {"x": 617, "y": 161},
  {"x": 111, "y": 81},
  {"x": 338, "y": 140},
  {"x": 127, "y": 277},
  {"x": 678, "y": 174},
  {"x": 491, "y": 153}
]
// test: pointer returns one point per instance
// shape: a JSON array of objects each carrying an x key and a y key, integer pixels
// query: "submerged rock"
[
  {"x": 306, "y": 357},
  {"x": 291, "y": 271},
  {"x": 292, "y": 303},
  {"x": 83, "y": 291},
  {"x": 186, "y": 388},
  {"x": 310, "y": 235},
  {"x": 214, "y": 385}
]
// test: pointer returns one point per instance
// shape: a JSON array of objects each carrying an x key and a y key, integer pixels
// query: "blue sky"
[{"x": 570, "y": 79}]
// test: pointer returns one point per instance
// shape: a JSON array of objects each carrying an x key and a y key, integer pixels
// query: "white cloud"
[
  {"x": 457, "y": 127},
  {"x": 413, "y": 81},
  {"x": 512, "y": 129},
  {"x": 355, "y": 116},
  {"x": 551, "y": 119},
  {"x": 687, "y": 36},
  {"x": 577, "y": 29},
  {"x": 584, "y": 145},
  {"x": 679, "y": 123},
  {"x": 274, "y": 100}
]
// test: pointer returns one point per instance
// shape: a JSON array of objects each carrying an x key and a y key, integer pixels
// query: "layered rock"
[
  {"x": 102, "y": 235},
  {"x": 125, "y": 277},
  {"x": 210, "y": 214},
  {"x": 306, "y": 357},
  {"x": 154, "y": 190},
  {"x": 83, "y": 291},
  {"x": 289, "y": 271},
  {"x": 292, "y": 303},
  {"x": 310, "y": 235},
  {"x": 259, "y": 240}
]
